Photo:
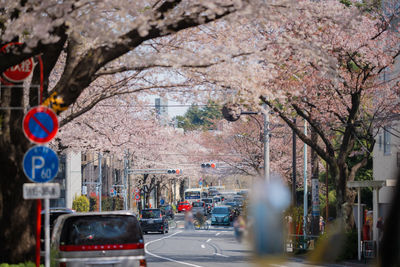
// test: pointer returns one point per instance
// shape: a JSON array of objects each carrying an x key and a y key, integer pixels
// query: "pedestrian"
[
  {"x": 321, "y": 225},
  {"x": 239, "y": 227}
]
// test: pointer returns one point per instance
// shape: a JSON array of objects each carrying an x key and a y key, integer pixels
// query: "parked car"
[
  {"x": 184, "y": 206},
  {"x": 167, "y": 210},
  {"x": 221, "y": 215},
  {"x": 54, "y": 213},
  {"x": 152, "y": 220},
  {"x": 199, "y": 207},
  {"x": 97, "y": 239}
]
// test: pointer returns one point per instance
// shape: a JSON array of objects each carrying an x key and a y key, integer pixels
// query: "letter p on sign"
[{"x": 35, "y": 160}]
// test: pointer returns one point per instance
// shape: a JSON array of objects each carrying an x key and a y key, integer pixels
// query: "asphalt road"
[{"x": 214, "y": 247}]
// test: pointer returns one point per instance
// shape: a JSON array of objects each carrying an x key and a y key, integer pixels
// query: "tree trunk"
[
  {"x": 344, "y": 197},
  {"x": 17, "y": 216}
]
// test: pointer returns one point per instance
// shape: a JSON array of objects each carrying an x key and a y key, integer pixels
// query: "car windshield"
[
  {"x": 183, "y": 203},
  {"x": 151, "y": 214},
  {"x": 217, "y": 199},
  {"x": 106, "y": 230},
  {"x": 197, "y": 204},
  {"x": 220, "y": 210},
  {"x": 207, "y": 200}
]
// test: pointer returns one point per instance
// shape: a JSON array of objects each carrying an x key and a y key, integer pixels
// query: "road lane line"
[
  {"x": 217, "y": 234},
  {"x": 165, "y": 258},
  {"x": 203, "y": 246},
  {"x": 208, "y": 240},
  {"x": 222, "y": 255}
]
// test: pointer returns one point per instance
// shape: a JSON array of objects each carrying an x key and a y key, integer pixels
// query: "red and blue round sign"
[{"x": 40, "y": 125}]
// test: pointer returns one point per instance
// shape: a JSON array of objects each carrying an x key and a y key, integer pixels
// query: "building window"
[
  {"x": 380, "y": 142},
  {"x": 386, "y": 142}
]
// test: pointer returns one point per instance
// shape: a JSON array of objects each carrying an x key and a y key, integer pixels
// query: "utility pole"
[
  {"x": 305, "y": 196},
  {"x": 125, "y": 180},
  {"x": 100, "y": 181},
  {"x": 314, "y": 186},
  {"x": 266, "y": 143},
  {"x": 294, "y": 198}
]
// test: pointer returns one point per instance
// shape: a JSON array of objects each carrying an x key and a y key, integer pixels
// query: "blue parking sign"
[{"x": 40, "y": 164}]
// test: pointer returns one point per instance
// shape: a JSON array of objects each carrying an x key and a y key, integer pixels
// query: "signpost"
[
  {"x": 40, "y": 125},
  {"x": 43, "y": 191},
  {"x": 40, "y": 163}
]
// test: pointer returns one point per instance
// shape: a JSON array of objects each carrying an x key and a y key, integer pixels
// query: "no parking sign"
[{"x": 40, "y": 125}]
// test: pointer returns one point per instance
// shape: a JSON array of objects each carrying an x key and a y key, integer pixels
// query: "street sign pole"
[
  {"x": 47, "y": 231},
  {"x": 43, "y": 191}
]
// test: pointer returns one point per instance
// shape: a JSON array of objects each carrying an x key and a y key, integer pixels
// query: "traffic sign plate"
[
  {"x": 17, "y": 73},
  {"x": 40, "y": 164},
  {"x": 40, "y": 125},
  {"x": 137, "y": 196},
  {"x": 41, "y": 191}
]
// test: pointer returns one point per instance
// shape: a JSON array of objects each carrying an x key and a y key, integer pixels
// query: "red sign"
[
  {"x": 40, "y": 125},
  {"x": 20, "y": 72}
]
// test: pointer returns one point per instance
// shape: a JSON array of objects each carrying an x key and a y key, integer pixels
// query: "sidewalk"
[{"x": 345, "y": 263}]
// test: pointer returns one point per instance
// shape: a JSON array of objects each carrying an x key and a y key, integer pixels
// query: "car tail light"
[
  {"x": 143, "y": 263},
  {"x": 101, "y": 247},
  {"x": 63, "y": 264}
]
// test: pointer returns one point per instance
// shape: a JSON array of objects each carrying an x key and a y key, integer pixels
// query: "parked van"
[{"x": 97, "y": 239}]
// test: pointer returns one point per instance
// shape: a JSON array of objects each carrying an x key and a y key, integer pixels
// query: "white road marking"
[
  {"x": 217, "y": 234},
  {"x": 203, "y": 246},
  {"x": 218, "y": 254},
  {"x": 164, "y": 258},
  {"x": 208, "y": 240}
]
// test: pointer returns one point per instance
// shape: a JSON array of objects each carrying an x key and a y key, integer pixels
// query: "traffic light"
[
  {"x": 208, "y": 165},
  {"x": 174, "y": 171}
]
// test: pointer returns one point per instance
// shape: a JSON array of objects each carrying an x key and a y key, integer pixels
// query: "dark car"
[
  {"x": 97, "y": 239},
  {"x": 167, "y": 210},
  {"x": 152, "y": 220},
  {"x": 54, "y": 214},
  {"x": 221, "y": 215}
]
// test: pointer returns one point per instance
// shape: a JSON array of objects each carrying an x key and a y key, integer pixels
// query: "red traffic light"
[
  {"x": 212, "y": 165},
  {"x": 177, "y": 171}
]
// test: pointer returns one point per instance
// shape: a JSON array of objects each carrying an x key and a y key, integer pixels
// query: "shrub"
[
  {"x": 349, "y": 250},
  {"x": 81, "y": 204},
  {"x": 93, "y": 204}
]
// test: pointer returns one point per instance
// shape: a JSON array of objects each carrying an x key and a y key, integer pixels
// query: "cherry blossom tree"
[
  {"x": 326, "y": 68},
  {"x": 89, "y": 37}
]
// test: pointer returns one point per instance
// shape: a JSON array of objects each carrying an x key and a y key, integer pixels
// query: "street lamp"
[{"x": 233, "y": 113}]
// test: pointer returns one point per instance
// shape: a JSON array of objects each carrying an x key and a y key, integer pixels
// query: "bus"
[{"x": 194, "y": 194}]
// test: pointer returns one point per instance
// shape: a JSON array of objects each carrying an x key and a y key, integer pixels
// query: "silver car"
[{"x": 97, "y": 239}]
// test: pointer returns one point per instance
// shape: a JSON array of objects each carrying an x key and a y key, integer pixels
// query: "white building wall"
[
  {"x": 73, "y": 177},
  {"x": 386, "y": 165}
]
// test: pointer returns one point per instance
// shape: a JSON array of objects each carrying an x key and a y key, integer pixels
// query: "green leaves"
[{"x": 197, "y": 118}]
